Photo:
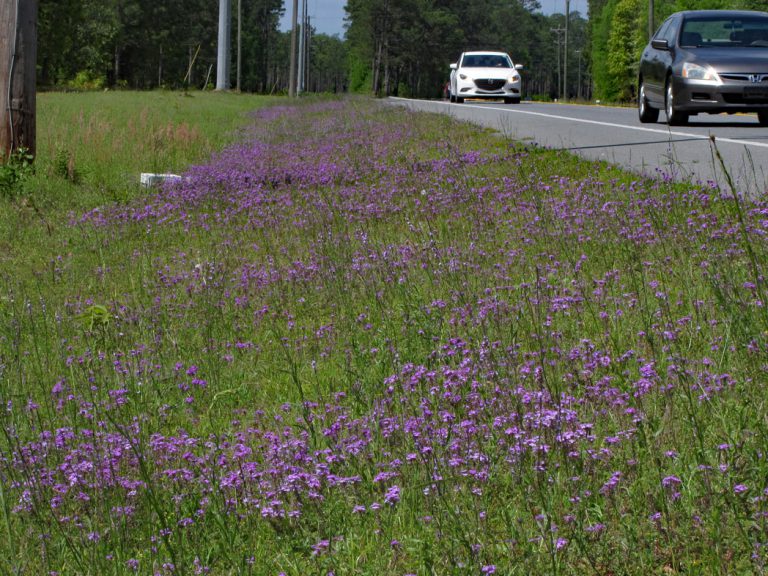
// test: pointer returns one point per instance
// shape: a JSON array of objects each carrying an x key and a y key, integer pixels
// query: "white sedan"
[{"x": 485, "y": 75}]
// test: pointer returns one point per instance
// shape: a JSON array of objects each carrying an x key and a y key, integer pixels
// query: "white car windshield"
[{"x": 485, "y": 61}]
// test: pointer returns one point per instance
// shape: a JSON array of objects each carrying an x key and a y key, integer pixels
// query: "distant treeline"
[
  {"x": 146, "y": 44},
  {"x": 405, "y": 46},
  {"x": 392, "y": 46},
  {"x": 399, "y": 47}
]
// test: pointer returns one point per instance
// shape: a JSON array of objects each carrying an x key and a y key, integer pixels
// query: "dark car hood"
[{"x": 746, "y": 60}]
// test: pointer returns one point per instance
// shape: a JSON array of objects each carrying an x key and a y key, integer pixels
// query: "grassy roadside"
[
  {"x": 353, "y": 346},
  {"x": 92, "y": 148}
]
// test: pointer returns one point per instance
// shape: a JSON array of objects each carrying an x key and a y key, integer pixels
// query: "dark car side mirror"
[{"x": 660, "y": 44}]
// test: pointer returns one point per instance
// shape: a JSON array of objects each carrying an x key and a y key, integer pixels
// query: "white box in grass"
[{"x": 150, "y": 179}]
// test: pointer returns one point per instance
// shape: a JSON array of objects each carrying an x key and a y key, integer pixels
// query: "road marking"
[{"x": 599, "y": 123}]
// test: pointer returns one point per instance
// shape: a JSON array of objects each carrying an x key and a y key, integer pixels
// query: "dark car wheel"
[
  {"x": 674, "y": 117},
  {"x": 647, "y": 114},
  {"x": 511, "y": 100},
  {"x": 459, "y": 100},
  {"x": 451, "y": 97},
  {"x": 762, "y": 117}
]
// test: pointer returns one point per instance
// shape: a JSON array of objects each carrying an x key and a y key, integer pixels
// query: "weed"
[
  {"x": 64, "y": 166},
  {"x": 16, "y": 170}
]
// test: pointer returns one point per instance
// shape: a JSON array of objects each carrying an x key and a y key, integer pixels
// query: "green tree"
[
  {"x": 261, "y": 40},
  {"x": 405, "y": 46},
  {"x": 626, "y": 40},
  {"x": 328, "y": 64},
  {"x": 618, "y": 35},
  {"x": 145, "y": 43}
]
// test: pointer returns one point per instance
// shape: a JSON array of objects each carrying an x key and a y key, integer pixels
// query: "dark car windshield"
[
  {"x": 724, "y": 31},
  {"x": 485, "y": 61}
]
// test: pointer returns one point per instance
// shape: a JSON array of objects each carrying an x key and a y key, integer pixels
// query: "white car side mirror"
[
  {"x": 454, "y": 66},
  {"x": 519, "y": 66}
]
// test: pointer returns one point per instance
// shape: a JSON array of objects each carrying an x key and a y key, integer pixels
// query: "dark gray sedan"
[{"x": 705, "y": 61}]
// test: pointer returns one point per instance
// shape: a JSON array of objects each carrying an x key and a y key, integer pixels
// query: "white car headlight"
[
  {"x": 693, "y": 71},
  {"x": 514, "y": 78},
  {"x": 463, "y": 76}
]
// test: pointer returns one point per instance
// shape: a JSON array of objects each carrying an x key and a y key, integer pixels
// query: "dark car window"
[
  {"x": 485, "y": 61},
  {"x": 671, "y": 32},
  {"x": 663, "y": 29},
  {"x": 723, "y": 31}
]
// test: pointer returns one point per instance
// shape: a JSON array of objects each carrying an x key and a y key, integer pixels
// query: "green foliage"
[
  {"x": 86, "y": 44},
  {"x": 625, "y": 44},
  {"x": 328, "y": 64},
  {"x": 704, "y": 5},
  {"x": 15, "y": 171},
  {"x": 264, "y": 47},
  {"x": 359, "y": 75},
  {"x": 95, "y": 316},
  {"x": 408, "y": 44},
  {"x": 605, "y": 86},
  {"x": 87, "y": 80},
  {"x": 619, "y": 33},
  {"x": 390, "y": 47},
  {"x": 64, "y": 166}
]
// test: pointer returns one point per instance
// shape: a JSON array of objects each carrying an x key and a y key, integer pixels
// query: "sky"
[{"x": 327, "y": 16}]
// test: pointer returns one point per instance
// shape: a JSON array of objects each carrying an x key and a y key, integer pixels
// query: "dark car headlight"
[{"x": 701, "y": 73}]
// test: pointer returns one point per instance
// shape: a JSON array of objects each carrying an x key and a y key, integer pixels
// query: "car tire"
[
  {"x": 762, "y": 117},
  {"x": 674, "y": 117},
  {"x": 647, "y": 114},
  {"x": 511, "y": 100},
  {"x": 459, "y": 100},
  {"x": 451, "y": 97}
]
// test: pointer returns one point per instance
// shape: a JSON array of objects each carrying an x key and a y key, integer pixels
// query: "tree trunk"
[
  {"x": 117, "y": 64},
  {"x": 160, "y": 69},
  {"x": 376, "y": 69},
  {"x": 386, "y": 68}
]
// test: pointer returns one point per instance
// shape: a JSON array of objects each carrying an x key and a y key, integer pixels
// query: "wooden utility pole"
[
  {"x": 558, "y": 43},
  {"x": 18, "y": 58},
  {"x": 302, "y": 37},
  {"x": 295, "y": 23},
  {"x": 222, "y": 61},
  {"x": 650, "y": 20},
  {"x": 239, "y": 42},
  {"x": 565, "y": 50}
]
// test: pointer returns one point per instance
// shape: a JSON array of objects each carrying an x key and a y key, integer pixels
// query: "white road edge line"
[{"x": 598, "y": 123}]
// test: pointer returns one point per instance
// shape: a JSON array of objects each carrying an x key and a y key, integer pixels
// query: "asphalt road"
[{"x": 614, "y": 134}]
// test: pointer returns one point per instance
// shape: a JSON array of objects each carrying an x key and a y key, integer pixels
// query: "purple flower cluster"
[{"x": 359, "y": 334}]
